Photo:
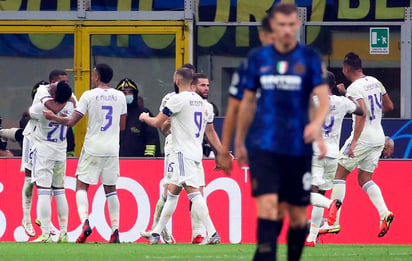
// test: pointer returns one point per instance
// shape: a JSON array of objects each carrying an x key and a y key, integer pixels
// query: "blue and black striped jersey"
[{"x": 283, "y": 82}]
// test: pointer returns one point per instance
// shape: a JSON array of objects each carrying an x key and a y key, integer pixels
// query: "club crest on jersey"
[
  {"x": 282, "y": 67},
  {"x": 300, "y": 68}
]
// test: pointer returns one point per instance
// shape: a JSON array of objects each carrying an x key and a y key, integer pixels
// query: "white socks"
[
  {"x": 316, "y": 218},
  {"x": 338, "y": 192},
  {"x": 376, "y": 197},
  {"x": 62, "y": 208},
  {"x": 168, "y": 210},
  {"x": 44, "y": 210},
  {"x": 197, "y": 225},
  {"x": 319, "y": 200},
  {"x": 82, "y": 205},
  {"x": 158, "y": 210},
  {"x": 114, "y": 209},
  {"x": 27, "y": 194},
  {"x": 200, "y": 209}
]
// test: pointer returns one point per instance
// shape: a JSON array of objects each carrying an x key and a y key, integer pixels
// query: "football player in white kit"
[
  {"x": 107, "y": 112},
  {"x": 324, "y": 170},
  {"x": 42, "y": 95},
  {"x": 364, "y": 146},
  {"x": 187, "y": 112},
  {"x": 167, "y": 237},
  {"x": 200, "y": 85},
  {"x": 49, "y": 163}
]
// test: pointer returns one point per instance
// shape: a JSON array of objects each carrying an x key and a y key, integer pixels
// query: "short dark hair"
[
  {"x": 186, "y": 75},
  {"x": 189, "y": 66},
  {"x": 63, "y": 92},
  {"x": 105, "y": 72},
  {"x": 283, "y": 8},
  {"x": 331, "y": 80},
  {"x": 197, "y": 76},
  {"x": 36, "y": 86},
  {"x": 265, "y": 25},
  {"x": 353, "y": 61},
  {"x": 54, "y": 75}
]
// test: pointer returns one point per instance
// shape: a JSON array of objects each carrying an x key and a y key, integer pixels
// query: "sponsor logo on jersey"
[
  {"x": 195, "y": 103},
  {"x": 281, "y": 82}
]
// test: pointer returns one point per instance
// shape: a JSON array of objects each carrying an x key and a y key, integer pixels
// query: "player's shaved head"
[{"x": 184, "y": 75}]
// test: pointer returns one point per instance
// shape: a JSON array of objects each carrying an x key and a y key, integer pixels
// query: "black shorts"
[{"x": 288, "y": 177}]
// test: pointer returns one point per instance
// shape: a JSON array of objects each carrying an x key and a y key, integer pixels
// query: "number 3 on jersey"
[
  {"x": 198, "y": 118},
  {"x": 108, "y": 117}
]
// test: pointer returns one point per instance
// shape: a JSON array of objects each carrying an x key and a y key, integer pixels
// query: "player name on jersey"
[{"x": 110, "y": 97}]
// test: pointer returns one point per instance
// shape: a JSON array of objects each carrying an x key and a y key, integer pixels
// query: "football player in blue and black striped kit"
[
  {"x": 266, "y": 37},
  {"x": 275, "y": 127}
]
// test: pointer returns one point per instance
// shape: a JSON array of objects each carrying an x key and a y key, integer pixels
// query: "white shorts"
[
  {"x": 182, "y": 170},
  {"x": 91, "y": 167},
  {"x": 366, "y": 157},
  {"x": 26, "y": 155},
  {"x": 323, "y": 172},
  {"x": 47, "y": 172}
]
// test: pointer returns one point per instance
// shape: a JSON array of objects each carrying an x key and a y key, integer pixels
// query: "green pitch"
[{"x": 141, "y": 251}]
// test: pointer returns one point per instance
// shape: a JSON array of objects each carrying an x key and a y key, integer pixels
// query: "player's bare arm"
[
  {"x": 156, "y": 121},
  {"x": 359, "y": 124},
  {"x": 54, "y": 106},
  {"x": 230, "y": 122},
  {"x": 223, "y": 157},
  {"x": 312, "y": 131},
  {"x": 165, "y": 128},
  {"x": 245, "y": 117},
  {"x": 341, "y": 88},
  {"x": 123, "y": 121},
  {"x": 68, "y": 121},
  {"x": 387, "y": 104}
]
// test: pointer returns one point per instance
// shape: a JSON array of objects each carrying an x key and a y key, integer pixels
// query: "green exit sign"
[{"x": 379, "y": 40}]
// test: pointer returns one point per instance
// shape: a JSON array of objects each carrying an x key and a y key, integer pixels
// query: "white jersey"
[
  {"x": 42, "y": 93},
  {"x": 168, "y": 140},
  {"x": 49, "y": 137},
  {"x": 104, "y": 107},
  {"x": 331, "y": 130},
  {"x": 371, "y": 91},
  {"x": 188, "y": 112},
  {"x": 209, "y": 112}
]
